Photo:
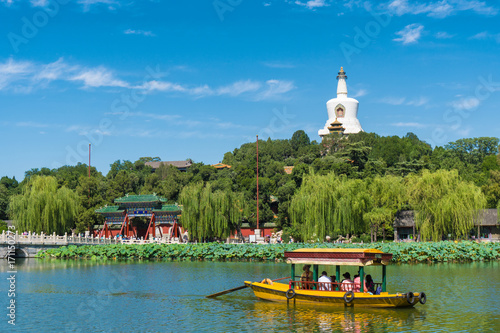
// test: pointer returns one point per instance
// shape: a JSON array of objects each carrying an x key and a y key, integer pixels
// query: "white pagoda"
[{"x": 342, "y": 111}]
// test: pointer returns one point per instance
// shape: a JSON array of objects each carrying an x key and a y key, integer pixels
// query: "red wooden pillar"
[
  {"x": 154, "y": 225},
  {"x": 127, "y": 229}
]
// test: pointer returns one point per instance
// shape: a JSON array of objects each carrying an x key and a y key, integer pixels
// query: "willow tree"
[
  {"x": 43, "y": 206},
  {"x": 388, "y": 196},
  {"x": 444, "y": 204},
  {"x": 329, "y": 204},
  {"x": 207, "y": 213}
]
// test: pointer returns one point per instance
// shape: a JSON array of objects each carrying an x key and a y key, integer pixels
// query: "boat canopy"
[{"x": 341, "y": 257}]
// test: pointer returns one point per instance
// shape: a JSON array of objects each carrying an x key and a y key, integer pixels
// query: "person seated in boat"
[
  {"x": 369, "y": 285},
  {"x": 347, "y": 283},
  {"x": 357, "y": 284},
  {"x": 335, "y": 286},
  {"x": 306, "y": 277},
  {"x": 325, "y": 283}
]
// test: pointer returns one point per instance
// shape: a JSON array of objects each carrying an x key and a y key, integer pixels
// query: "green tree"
[
  {"x": 3, "y": 226},
  {"x": 210, "y": 214},
  {"x": 474, "y": 150},
  {"x": 90, "y": 192},
  {"x": 4, "y": 202},
  {"x": 43, "y": 206},
  {"x": 299, "y": 139},
  {"x": 492, "y": 189},
  {"x": 329, "y": 205},
  {"x": 388, "y": 196},
  {"x": 444, "y": 204}
]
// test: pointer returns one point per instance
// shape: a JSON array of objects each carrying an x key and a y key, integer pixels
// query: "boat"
[{"x": 335, "y": 293}]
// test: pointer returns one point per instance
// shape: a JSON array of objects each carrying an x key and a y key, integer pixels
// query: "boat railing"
[{"x": 327, "y": 286}]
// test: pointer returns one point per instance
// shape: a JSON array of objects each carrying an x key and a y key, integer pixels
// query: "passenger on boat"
[
  {"x": 307, "y": 276},
  {"x": 369, "y": 285},
  {"x": 357, "y": 283},
  {"x": 347, "y": 283},
  {"x": 325, "y": 283},
  {"x": 335, "y": 285}
]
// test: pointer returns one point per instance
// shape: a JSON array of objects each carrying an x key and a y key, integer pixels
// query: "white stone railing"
[{"x": 53, "y": 239}]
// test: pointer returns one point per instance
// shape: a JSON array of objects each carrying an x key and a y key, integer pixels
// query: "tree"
[
  {"x": 43, "y": 206},
  {"x": 299, "y": 139},
  {"x": 388, "y": 196},
  {"x": 4, "y": 202},
  {"x": 90, "y": 192},
  {"x": 474, "y": 150},
  {"x": 209, "y": 214},
  {"x": 492, "y": 189},
  {"x": 444, "y": 204},
  {"x": 329, "y": 205}
]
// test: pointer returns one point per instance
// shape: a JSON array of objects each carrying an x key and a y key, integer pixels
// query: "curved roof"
[{"x": 344, "y": 257}]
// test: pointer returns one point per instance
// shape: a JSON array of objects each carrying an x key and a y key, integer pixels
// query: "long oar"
[{"x": 238, "y": 288}]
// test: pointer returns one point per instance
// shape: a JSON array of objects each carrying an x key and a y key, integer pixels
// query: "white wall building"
[{"x": 342, "y": 111}]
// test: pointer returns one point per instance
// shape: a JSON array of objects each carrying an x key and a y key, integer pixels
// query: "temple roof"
[
  {"x": 221, "y": 166},
  {"x": 110, "y": 209},
  {"x": 169, "y": 208},
  {"x": 140, "y": 198}
]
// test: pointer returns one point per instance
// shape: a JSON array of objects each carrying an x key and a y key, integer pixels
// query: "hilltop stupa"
[{"x": 342, "y": 111}]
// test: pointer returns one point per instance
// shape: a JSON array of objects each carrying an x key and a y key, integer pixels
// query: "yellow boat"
[{"x": 335, "y": 293}]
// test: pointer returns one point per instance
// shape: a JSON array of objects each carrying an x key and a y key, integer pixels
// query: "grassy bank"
[{"x": 403, "y": 252}]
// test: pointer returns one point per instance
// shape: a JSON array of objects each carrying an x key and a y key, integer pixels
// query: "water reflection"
[
  {"x": 318, "y": 318},
  {"x": 126, "y": 295}
]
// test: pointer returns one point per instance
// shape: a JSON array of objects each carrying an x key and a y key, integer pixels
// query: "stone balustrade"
[{"x": 73, "y": 239}]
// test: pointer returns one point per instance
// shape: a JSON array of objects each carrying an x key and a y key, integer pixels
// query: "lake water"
[{"x": 168, "y": 296}]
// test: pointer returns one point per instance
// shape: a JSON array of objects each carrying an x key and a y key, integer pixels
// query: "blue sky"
[{"x": 195, "y": 79}]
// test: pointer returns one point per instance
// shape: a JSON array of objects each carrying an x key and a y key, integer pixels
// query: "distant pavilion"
[{"x": 162, "y": 217}]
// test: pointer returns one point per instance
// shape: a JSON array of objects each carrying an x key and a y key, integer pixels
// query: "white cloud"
[
  {"x": 54, "y": 70},
  {"x": 87, "y": 4},
  {"x": 393, "y": 100},
  {"x": 98, "y": 77},
  {"x": 443, "y": 35},
  {"x": 359, "y": 93},
  {"x": 312, "y": 4},
  {"x": 32, "y": 124},
  {"x": 12, "y": 70},
  {"x": 410, "y": 34},
  {"x": 439, "y": 8},
  {"x": 271, "y": 89},
  {"x": 418, "y": 101},
  {"x": 465, "y": 103},
  {"x": 166, "y": 117},
  {"x": 485, "y": 35},
  {"x": 39, "y": 3},
  {"x": 410, "y": 124},
  {"x": 239, "y": 88},
  {"x": 139, "y": 32},
  {"x": 404, "y": 101},
  {"x": 23, "y": 77},
  {"x": 278, "y": 64},
  {"x": 161, "y": 86},
  {"x": 275, "y": 89}
]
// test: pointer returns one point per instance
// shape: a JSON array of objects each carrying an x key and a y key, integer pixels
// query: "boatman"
[{"x": 306, "y": 277}]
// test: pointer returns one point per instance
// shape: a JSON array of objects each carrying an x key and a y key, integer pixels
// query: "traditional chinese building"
[{"x": 163, "y": 217}]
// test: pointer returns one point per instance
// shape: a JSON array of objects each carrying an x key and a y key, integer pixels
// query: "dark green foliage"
[
  {"x": 362, "y": 156},
  {"x": 425, "y": 252},
  {"x": 4, "y": 201},
  {"x": 3, "y": 226}
]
